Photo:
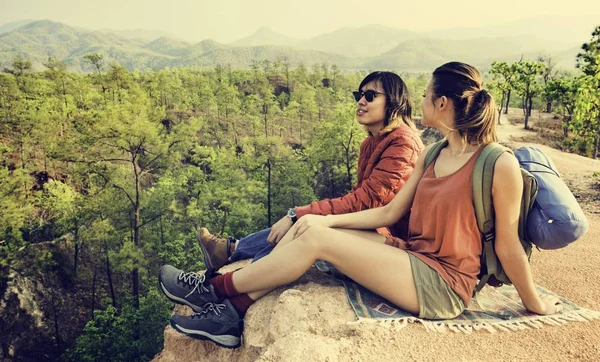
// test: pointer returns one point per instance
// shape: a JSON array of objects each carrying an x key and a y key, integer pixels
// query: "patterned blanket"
[{"x": 494, "y": 309}]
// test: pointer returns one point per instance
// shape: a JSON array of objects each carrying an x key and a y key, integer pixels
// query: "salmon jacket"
[{"x": 385, "y": 164}]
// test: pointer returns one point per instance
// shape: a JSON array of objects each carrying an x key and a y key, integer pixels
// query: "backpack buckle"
[{"x": 488, "y": 237}]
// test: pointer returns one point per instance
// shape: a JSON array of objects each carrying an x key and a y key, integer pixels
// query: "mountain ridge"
[{"x": 353, "y": 48}]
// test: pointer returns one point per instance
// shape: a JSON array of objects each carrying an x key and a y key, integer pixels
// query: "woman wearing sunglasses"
[{"x": 387, "y": 158}]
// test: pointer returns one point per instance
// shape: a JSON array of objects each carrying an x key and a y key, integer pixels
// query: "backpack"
[{"x": 491, "y": 271}]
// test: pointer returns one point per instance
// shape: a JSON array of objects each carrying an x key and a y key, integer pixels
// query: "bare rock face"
[
  {"x": 37, "y": 317},
  {"x": 22, "y": 318}
]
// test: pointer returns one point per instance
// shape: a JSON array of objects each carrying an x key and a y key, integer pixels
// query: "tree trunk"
[
  {"x": 269, "y": 192},
  {"x": 135, "y": 286},
  {"x": 94, "y": 291},
  {"x": 596, "y": 144},
  {"x": 501, "y": 105},
  {"x": 135, "y": 274},
  {"x": 265, "y": 111},
  {"x": 109, "y": 279},
  {"x": 348, "y": 168},
  {"x": 499, "y": 115},
  {"x": 507, "y": 102},
  {"x": 548, "y": 106},
  {"x": 348, "y": 161}
]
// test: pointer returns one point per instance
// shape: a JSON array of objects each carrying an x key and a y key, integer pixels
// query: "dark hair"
[
  {"x": 398, "y": 107},
  {"x": 474, "y": 108}
]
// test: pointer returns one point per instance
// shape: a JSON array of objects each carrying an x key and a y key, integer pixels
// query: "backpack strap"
[
  {"x": 434, "y": 152},
  {"x": 483, "y": 177}
]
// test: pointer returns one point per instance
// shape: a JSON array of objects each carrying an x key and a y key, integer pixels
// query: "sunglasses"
[{"x": 369, "y": 95}]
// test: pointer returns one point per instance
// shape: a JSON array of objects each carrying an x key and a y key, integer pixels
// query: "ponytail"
[{"x": 475, "y": 110}]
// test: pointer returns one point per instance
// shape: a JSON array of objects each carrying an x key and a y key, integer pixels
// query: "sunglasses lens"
[{"x": 369, "y": 95}]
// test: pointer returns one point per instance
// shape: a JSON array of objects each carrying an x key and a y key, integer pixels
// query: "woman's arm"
[
  {"x": 507, "y": 190},
  {"x": 389, "y": 175},
  {"x": 393, "y": 168},
  {"x": 372, "y": 218}
]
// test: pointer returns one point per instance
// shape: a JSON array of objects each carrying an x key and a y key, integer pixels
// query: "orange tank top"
[{"x": 443, "y": 227}]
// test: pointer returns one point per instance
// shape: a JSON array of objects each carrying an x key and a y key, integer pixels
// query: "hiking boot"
[
  {"x": 190, "y": 288},
  {"x": 216, "y": 250},
  {"x": 216, "y": 322}
]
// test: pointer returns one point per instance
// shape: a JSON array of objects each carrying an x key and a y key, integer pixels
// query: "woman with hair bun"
[{"x": 433, "y": 272}]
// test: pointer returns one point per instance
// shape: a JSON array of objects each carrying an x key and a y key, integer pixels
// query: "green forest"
[{"x": 105, "y": 176}]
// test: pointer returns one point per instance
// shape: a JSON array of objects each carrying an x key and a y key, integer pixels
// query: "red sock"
[
  {"x": 223, "y": 285},
  {"x": 241, "y": 303}
]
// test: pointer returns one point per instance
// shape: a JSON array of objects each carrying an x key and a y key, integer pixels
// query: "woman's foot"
[
  {"x": 189, "y": 288},
  {"x": 217, "y": 322},
  {"x": 216, "y": 250}
]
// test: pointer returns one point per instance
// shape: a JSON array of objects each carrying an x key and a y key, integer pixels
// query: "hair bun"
[
  {"x": 480, "y": 95},
  {"x": 471, "y": 94},
  {"x": 475, "y": 111}
]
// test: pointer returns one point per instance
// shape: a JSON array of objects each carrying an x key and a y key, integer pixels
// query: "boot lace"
[
  {"x": 210, "y": 308},
  {"x": 194, "y": 280}
]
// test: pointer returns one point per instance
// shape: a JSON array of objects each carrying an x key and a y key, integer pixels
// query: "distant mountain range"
[
  {"x": 368, "y": 47},
  {"x": 563, "y": 30}
]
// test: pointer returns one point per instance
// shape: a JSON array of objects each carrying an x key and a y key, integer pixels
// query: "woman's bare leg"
[
  {"x": 289, "y": 236},
  {"x": 381, "y": 268},
  {"x": 368, "y": 235}
]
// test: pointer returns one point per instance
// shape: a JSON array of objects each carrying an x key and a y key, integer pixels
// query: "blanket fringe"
[{"x": 536, "y": 322}]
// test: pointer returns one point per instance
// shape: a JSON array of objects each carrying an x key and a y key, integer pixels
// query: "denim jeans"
[{"x": 253, "y": 246}]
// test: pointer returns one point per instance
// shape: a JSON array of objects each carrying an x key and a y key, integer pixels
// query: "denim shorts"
[{"x": 436, "y": 299}]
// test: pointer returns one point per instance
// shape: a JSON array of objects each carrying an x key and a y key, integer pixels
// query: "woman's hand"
[
  {"x": 279, "y": 229},
  {"x": 310, "y": 220},
  {"x": 548, "y": 305}
]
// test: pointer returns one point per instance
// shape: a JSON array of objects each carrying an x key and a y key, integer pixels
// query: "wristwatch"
[{"x": 292, "y": 214}]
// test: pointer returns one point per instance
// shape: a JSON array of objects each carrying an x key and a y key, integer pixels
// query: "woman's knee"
[
  {"x": 313, "y": 237},
  {"x": 320, "y": 239}
]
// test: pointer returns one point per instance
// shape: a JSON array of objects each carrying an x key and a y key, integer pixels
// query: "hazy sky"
[{"x": 229, "y": 20}]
